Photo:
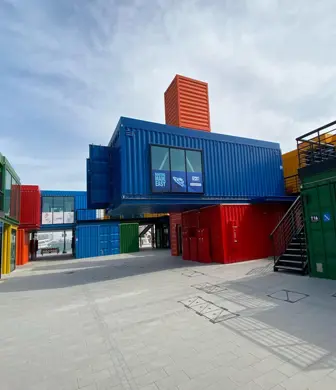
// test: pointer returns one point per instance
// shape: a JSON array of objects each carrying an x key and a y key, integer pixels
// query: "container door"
[
  {"x": 193, "y": 249},
  {"x": 319, "y": 213},
  {"x": 185, "y": 245},
  {"x": 13, "y": 250},
  {"x": 105, "y": 240},
  {"x": 179, "y": 239},
  {"x": 203, "y": 245},
  {"x": 98, "y": 170}
]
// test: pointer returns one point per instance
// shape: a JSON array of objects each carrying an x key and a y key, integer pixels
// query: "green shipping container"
[
  {"x": 129, "y": 237},
  {"x": 319, "y": 201}
]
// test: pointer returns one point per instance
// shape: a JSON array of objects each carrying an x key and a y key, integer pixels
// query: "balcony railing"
[
  {"x": 292, "y": 184},
  {"x": 317, "y": 146}
]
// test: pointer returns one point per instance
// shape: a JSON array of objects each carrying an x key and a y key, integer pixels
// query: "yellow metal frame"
[{"x": 6, "y": 247}]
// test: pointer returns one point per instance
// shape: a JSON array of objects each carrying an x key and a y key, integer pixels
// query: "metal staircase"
[
  {"x": 289, "y": 241},
  {"x": 145, "y": 230}
]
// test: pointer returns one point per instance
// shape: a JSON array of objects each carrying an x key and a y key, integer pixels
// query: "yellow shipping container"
[{"x": 9, "y": 249}]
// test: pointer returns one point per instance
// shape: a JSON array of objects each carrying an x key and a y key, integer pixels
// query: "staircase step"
[
  {"x": 288, "y": 262},
  {"x": 296, "y": 249},
  {"x": 288, "y": 268},
  {"x": 292, "y": 255}
]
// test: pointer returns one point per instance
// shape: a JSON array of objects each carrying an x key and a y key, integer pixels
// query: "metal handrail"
[
  {"x": 298, "y": 199},
  {"x": 289, "y": 227},
  {"x": 301, "y": 138}
]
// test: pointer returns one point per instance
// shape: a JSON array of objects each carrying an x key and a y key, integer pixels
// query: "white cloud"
[{"x": 270, "y": 67}]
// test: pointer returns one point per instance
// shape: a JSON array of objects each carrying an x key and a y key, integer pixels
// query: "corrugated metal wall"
[
  {"x": 86, "y": 215},
  {"x": 175, "y": 219},
  {"x": 233, "y": 167},
  {"x": 30, "y": 207},
  {"x": 97, "y": 240},
  {"x": 129, "y": 237},
  {"x": 187, "y": 104},
  {"x": 99, "y": 176},
  {"x": 171, "y": 104}
]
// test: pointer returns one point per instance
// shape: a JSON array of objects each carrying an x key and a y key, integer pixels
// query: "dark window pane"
[
  {"x": 160, "y": 158},
  {"x": 58, "y": 205},
  {"x": 47, "y": 203},
  {"x": 194, "y": 161},
  {"x": 69, "y": 203}
]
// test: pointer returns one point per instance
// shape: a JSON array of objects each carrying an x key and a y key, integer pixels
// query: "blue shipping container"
[
  {"x": 97, "y": 240},
  {"x": 233, "y": 169},
  {"x": 86, "y": 215}
]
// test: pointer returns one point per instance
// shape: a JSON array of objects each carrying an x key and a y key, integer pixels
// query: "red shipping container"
[
  {"x": 185, "y": 245},
  {"x": 30, "y": 207},
  {"x": 203, "y": 245},
  {"x": 193, "y": 248},
  {"x": 190, "y": 219},
  {"x": 22, "y": 247},
  {"x": 241, "y": 232},
  {"x": 175, "y": 220},
  {"x": 187, "y": 104}
]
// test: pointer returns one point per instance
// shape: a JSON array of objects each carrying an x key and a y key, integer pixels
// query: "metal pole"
[{"x": 64, "y": 246}]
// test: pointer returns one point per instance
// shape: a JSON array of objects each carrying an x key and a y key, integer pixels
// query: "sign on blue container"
[
  {"x": 178, "y": 181},
  {"x": 195, "y": 182},
  {"x": 160, "y": 181}
]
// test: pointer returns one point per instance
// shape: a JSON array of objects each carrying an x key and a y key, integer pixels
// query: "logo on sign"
[
  {"x": 160, "y": 179},
  {"x": 179, "y": 181},
  {"x": 195, "y": 181}
]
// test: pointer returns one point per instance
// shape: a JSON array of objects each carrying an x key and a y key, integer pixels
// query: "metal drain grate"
[
  {"x": 209, "y": 310},
  {"x": 288, "y": 296}
]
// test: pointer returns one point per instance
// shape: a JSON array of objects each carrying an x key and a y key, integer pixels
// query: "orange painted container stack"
[
  {"x": 187, "y": 104},
  {"x": 22, "y": 247}
]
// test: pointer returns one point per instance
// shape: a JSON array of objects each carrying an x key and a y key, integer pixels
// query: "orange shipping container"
[
  {"x": 187, "y": 104},
  {"x": 22, "y": 247}
]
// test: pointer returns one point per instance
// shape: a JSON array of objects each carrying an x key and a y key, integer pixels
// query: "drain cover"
[
  {"x": 69, "y": 272},
  {"x": 288, "y": 296}
]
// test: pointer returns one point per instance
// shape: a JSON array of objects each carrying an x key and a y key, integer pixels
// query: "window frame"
[
  {"x": 53, "y": 197},
  {"x": 169, "y": 147}
]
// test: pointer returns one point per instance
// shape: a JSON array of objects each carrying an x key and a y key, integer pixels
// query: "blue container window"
[
  {"x": 176, "y": 170},
  {"x": 194, "y": 171},
  {"x": 57, "y": 210},
  {"x": 160, "y": 169}
]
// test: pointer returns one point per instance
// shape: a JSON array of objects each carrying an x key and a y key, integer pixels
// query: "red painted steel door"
[
  {"x": 185, "y": 245},
  {"x": 203, "y": 244},
  {"x": 193, "y": 249}
]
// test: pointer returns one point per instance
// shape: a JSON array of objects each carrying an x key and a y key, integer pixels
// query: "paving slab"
[{"x": 152, "y": 321}]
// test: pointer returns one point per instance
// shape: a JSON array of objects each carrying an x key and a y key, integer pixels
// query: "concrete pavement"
[{"x": 152, "y": 322}]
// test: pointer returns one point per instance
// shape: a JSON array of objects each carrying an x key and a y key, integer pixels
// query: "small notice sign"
[
  {"x": 326, "y": 217},
  {"x": 314, "y": 218}
]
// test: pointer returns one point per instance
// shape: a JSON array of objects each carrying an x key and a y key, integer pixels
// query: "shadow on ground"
[
  {"x": 299, "y": 331},
  {"x": 81, "y": 272}
]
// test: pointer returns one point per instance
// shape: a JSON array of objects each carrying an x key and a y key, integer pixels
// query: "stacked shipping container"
[
  {"x": 249, "y": 169},
  {"x": 230, "y": 233},
  {"x": 187, "y": 104},
  {"x": 108, "y": 238}
]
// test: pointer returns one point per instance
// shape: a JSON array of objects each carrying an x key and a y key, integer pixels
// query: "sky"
[{"x": 70, "y": 68}]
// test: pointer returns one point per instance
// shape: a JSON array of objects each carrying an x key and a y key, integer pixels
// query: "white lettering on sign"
[
  {"x": 195, "y": 178},
  {"x": 160, "y": 179}
]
